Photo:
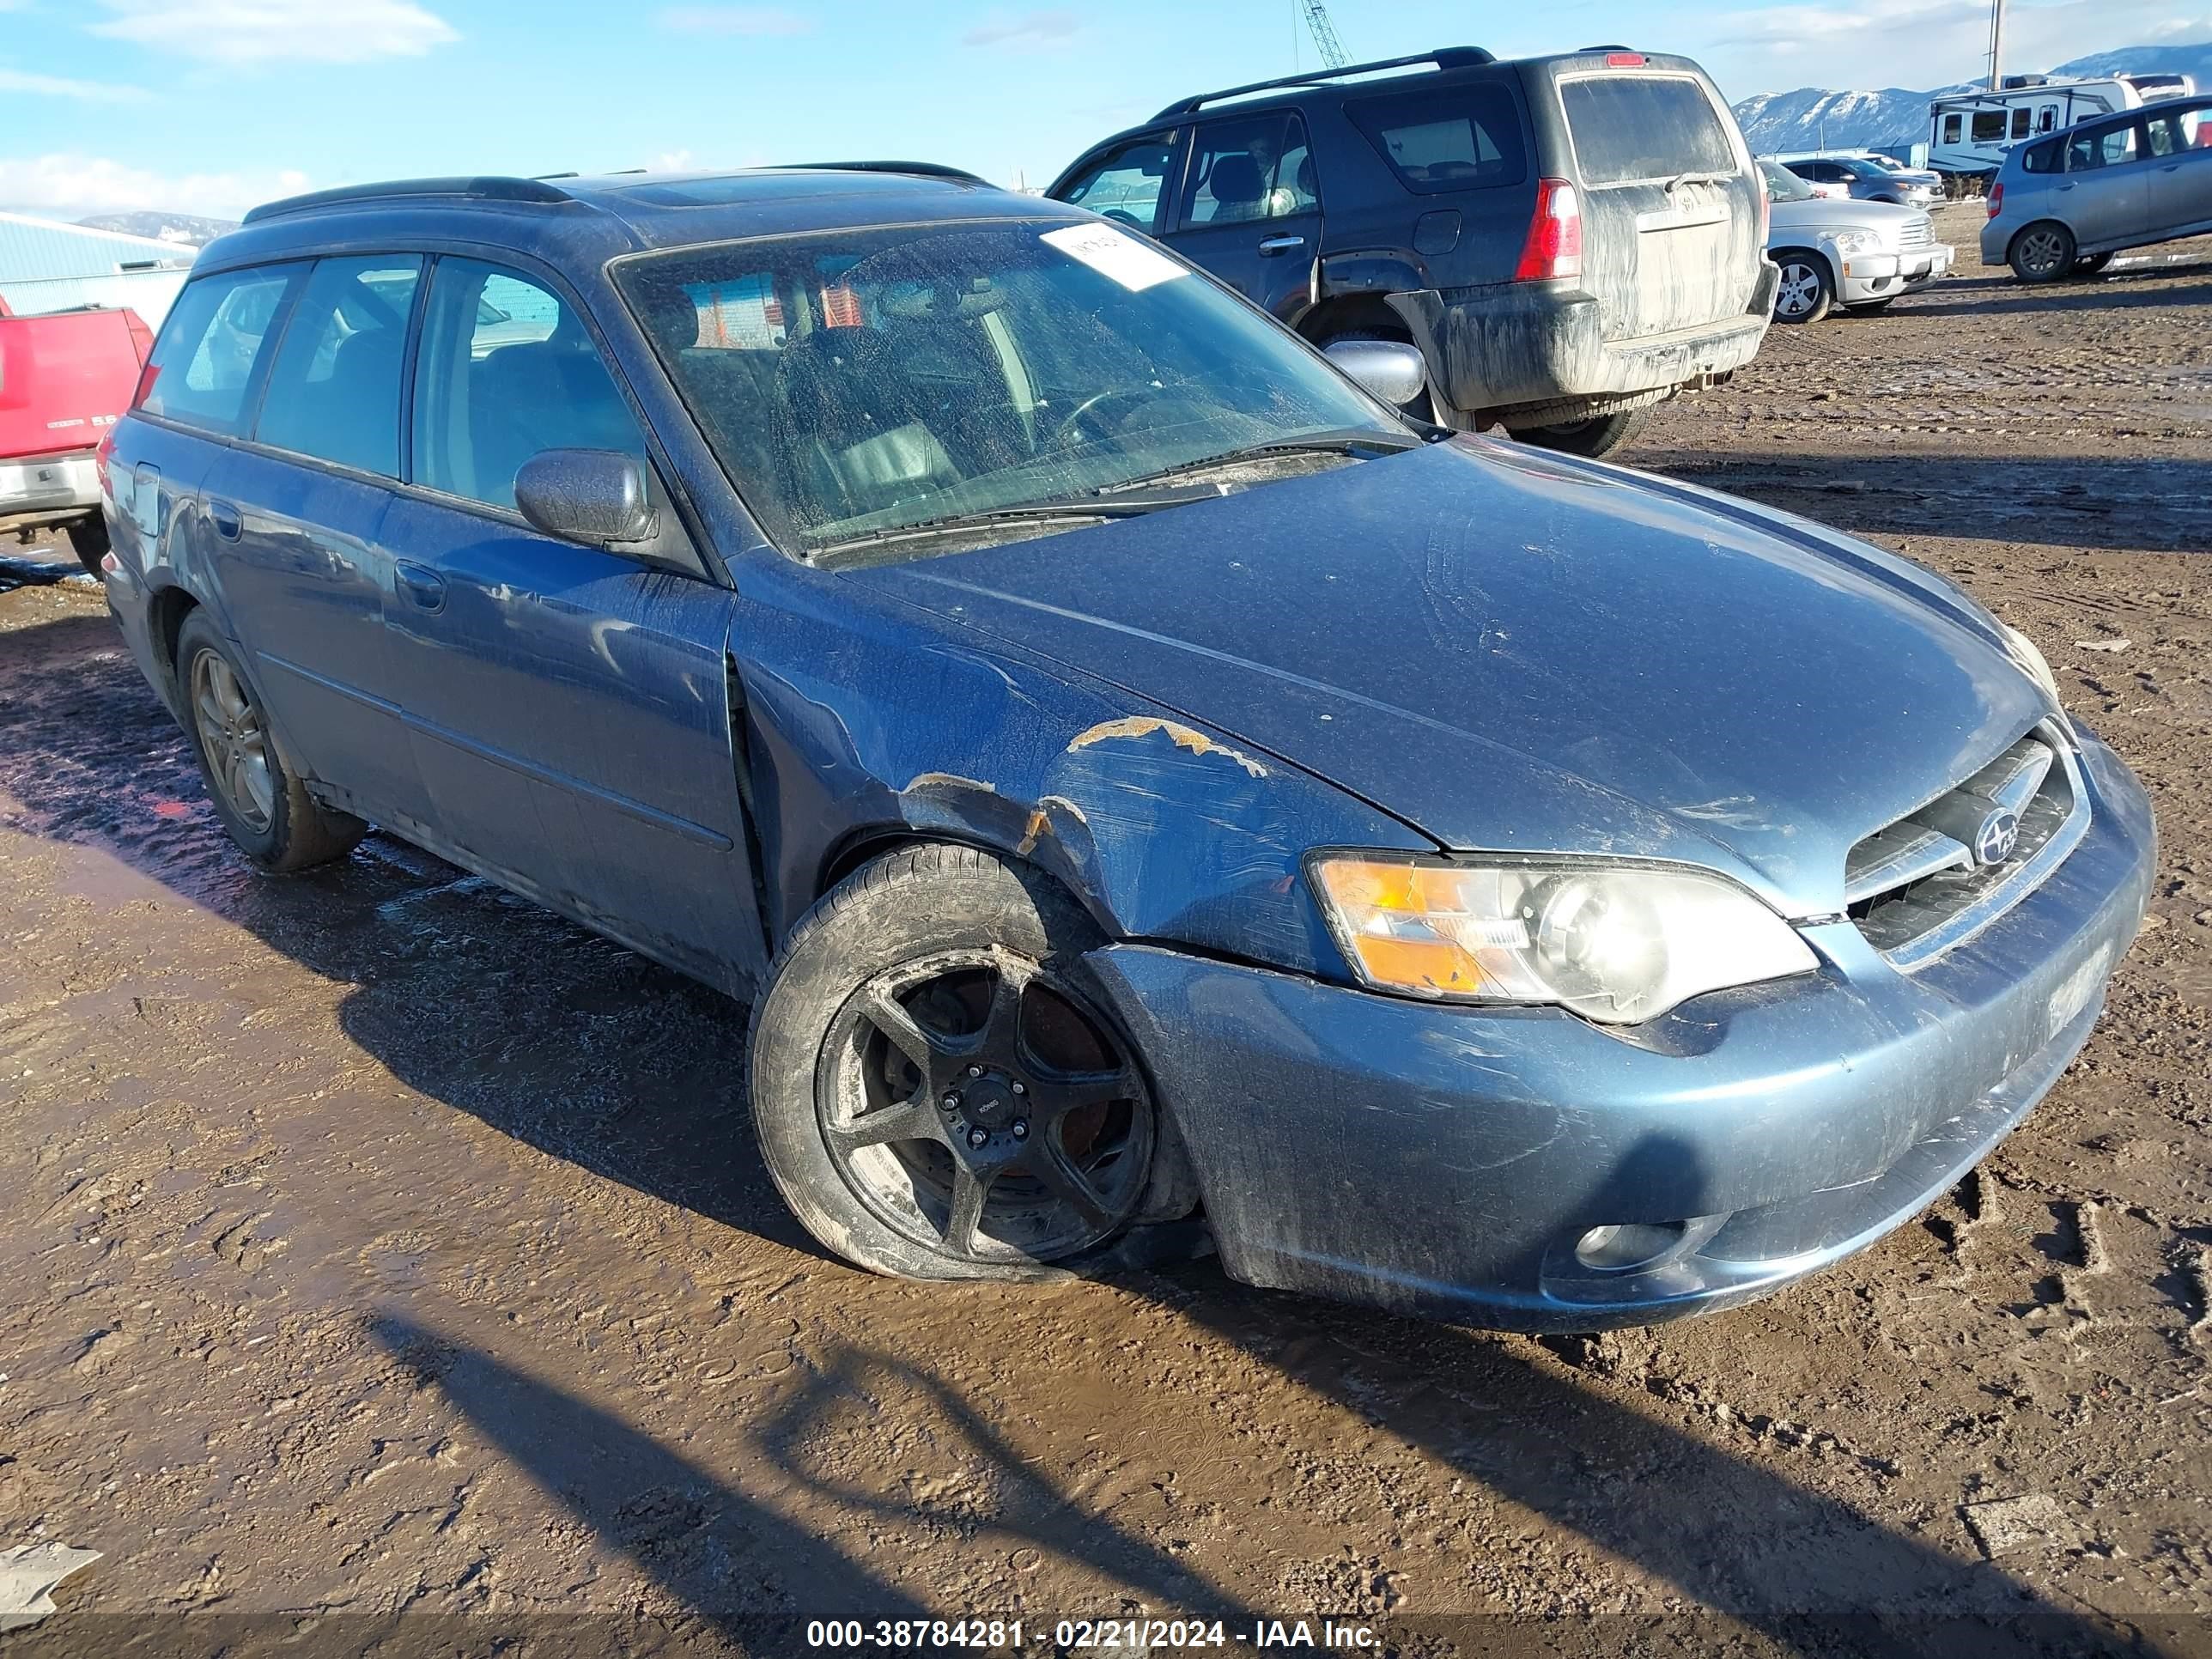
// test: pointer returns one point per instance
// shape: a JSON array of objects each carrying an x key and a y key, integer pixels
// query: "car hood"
[
  {"x": 1830, "y": 213},
  {"x": 1515, "y": 652}
]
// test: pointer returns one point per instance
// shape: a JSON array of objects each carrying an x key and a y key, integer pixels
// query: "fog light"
[{"x": 1618, "y": 1248}]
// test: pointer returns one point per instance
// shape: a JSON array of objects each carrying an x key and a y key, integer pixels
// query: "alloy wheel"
[
  {"x": 1799, "y": 290},
  {"x": 2042, "y": 252},
  {"x": 235, "y": 741},
  {"x": 974, "y": 1102}
]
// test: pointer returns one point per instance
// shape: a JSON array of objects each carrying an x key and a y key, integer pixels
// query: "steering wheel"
[
  {"x": 1121, "y": 216},
  {"x": 1088, "y": 410}
]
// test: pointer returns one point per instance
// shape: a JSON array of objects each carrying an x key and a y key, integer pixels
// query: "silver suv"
[
  {"x": 2063, "y": 205},
  {"x": 1858, "y": 255}
]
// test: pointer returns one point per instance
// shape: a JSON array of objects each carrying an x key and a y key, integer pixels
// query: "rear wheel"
[
  {"x": 1595, "y": 435},
  {"x": 1806, "y": 291},
  {"x": 936, "y": 1095},
  {"x": 2043, "y": 253},
  {"x": 88, "y": 539},
  {"x": 259, "y": 799}
]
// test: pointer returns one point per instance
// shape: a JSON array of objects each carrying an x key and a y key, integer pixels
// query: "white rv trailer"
[{"x": 1971, "y": 132}]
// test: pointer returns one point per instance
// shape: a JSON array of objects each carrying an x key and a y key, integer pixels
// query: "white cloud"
[
  {"x": 268, "y": 31},
  {"x": 1030, "y": 31},
  {"x": 734, "y": 19},
  {"x": 56, "y": 86},
  {"x": 69, "y": 186}
]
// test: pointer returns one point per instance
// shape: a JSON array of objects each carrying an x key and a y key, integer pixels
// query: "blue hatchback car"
[{"x": 1135, "y": 777}]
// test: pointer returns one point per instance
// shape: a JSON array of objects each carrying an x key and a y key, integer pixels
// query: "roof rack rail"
[
  {"x": 1444, "y": 57},
  {"x": 486, "y": 189},
  {"x": 919, "y": 169}
]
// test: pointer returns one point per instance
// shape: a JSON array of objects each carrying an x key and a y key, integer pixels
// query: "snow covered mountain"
[{"x": 1812, "y": 117}]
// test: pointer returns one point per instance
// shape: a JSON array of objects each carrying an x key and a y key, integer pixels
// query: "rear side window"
[
  {"x": 1125, "y": 183},
  {"x": 1465, "y": 138},
  {"x": 203, "y": 365},
  {"x": 2042, "y": 158},
  {"x": 1628, "y": 127},
  {"x": 508, "y": 370},
  {"x": 1255, "y": 168},
  {"x": 334, "y": 389}
]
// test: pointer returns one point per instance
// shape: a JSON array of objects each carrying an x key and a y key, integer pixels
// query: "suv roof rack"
[
  {"x": 484, "y": 189},
  {"x": 920, "y": 169},
  {"x": 1444, "y": 57}
]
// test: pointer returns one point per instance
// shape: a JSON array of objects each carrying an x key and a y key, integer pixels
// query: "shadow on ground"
[{"x": 496, "y": 1008}]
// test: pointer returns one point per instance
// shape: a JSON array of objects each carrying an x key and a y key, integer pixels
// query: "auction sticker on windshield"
[{"x": 1108, "y": 251}]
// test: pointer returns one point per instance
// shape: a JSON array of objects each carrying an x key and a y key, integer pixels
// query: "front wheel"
[
  {"x": 2043, "y": 253},
  {"x": 1594, "y": 436},
  {"x": 260, "y": 799},
  {"x": 1805, "y": 291},
  {"x": 936, "y": 1095}
]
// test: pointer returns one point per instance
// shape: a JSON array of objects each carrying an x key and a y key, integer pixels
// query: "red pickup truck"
[{"x": 65, "y": 377}]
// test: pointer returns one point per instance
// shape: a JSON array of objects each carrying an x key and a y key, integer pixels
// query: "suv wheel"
[
  {"x": 259, "y": 799},
  {"x": 935, "y": 1094},
  {"x": 1595, "y": 435},
  {"x": 2043, "y": 253},
  {"x": 1806, "y": 290}
]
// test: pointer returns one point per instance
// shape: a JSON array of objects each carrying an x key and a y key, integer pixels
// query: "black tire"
[
  {"x": 1807, "y": 291},
  {"x": 1424, "y": 407},
  {"x": 257, "y": 793},
  {"x": 856, "y": 1130},
  {"x": 1594, "y": 436},
  {"x": 2042, "y": 251},
  {"x": 88, "y": 539},
  {"x": 2088, "y": 265}
]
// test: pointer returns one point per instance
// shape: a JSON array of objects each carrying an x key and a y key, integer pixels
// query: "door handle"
[
  {"x": 230, "y": 523},
  {"x": 2171, "y": 167},
  {"x": 424, "y": 587},
  {"x": 1281, "y": 244}
]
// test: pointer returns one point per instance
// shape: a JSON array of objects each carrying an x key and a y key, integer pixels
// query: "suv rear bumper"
[
  {"x": 48, "y": 484},
  {"x": 1520, "y": 344}
]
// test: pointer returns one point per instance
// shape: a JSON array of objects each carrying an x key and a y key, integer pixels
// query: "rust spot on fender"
[
  {"x": 1040, "y": 824},
  {"x": 1183, "y": 737}
]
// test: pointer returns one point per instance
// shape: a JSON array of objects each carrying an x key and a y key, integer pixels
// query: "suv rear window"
[
  {"x": 1468, "y": 137},
  {"x": 1628, "y": 127}
]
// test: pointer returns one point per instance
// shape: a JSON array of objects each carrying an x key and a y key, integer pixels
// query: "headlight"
[
  {"x": 1615, "y": 943},
  {"x": 1855, "y": 241}
]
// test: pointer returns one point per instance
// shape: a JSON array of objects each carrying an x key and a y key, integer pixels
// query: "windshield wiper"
[
  {"x": 1057, "y": 509},
  {"x": 1350, "y": 440}
]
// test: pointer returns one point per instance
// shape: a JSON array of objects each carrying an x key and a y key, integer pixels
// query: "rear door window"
[
  {"x": 203, "y": 366},
  {"x": 2110, "y": 147},
  {"x": 334, "y": 389},
  {"x": 1631, "y": 127},
  {"x": 1126, "y": 184},
  {"x": 1468, "y": 137},
  {"x": 1256, "y": 168},
  {"x": 506, "y": 370}
]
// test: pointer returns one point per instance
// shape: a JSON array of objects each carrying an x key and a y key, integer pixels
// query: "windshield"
[
  {"x": 855, "y": 382},
  {"x": 1783, "y": 186}
]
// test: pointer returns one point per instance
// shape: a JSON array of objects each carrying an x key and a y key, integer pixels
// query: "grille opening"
[{"x": 1918, "y": 886}]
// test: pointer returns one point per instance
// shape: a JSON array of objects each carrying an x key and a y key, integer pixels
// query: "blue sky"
[{"x": 206, "y": 105}]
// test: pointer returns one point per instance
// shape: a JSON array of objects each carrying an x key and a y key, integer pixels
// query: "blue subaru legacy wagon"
[{"x": 1144, "y": 787}]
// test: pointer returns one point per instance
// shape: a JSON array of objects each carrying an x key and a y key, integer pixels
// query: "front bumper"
[
  {"x": 1885, "y": 276},
  {"x": 1516, "y": 345},
  {"x": 1446, "y": 1161}
]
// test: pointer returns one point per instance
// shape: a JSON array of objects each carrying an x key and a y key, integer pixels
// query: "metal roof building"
[{"x": 47, "y": 265}]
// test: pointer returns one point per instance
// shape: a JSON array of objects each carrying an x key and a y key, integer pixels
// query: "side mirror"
[
  {"x": 591, "y": 495},
  {"x": 1390, "y": 369}
]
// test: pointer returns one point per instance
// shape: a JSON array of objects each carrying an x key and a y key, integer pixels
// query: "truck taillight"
[
  {"x": 1996, "y": 199},
  {"x": 147, "y": 375},
  {"x": 100, "y": 456},
  {"x": 1554, "y": 247},
  {"x": 1765, "y": 212}
]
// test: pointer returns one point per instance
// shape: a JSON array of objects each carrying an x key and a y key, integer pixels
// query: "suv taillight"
[
  {"x": 1766, "y": 211},
  {"x": 1996, "y": 199},
  {"x": 1554, "y": 247}
]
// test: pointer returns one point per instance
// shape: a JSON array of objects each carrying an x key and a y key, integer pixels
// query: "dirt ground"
[{"x": 382, "y": 1250}]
